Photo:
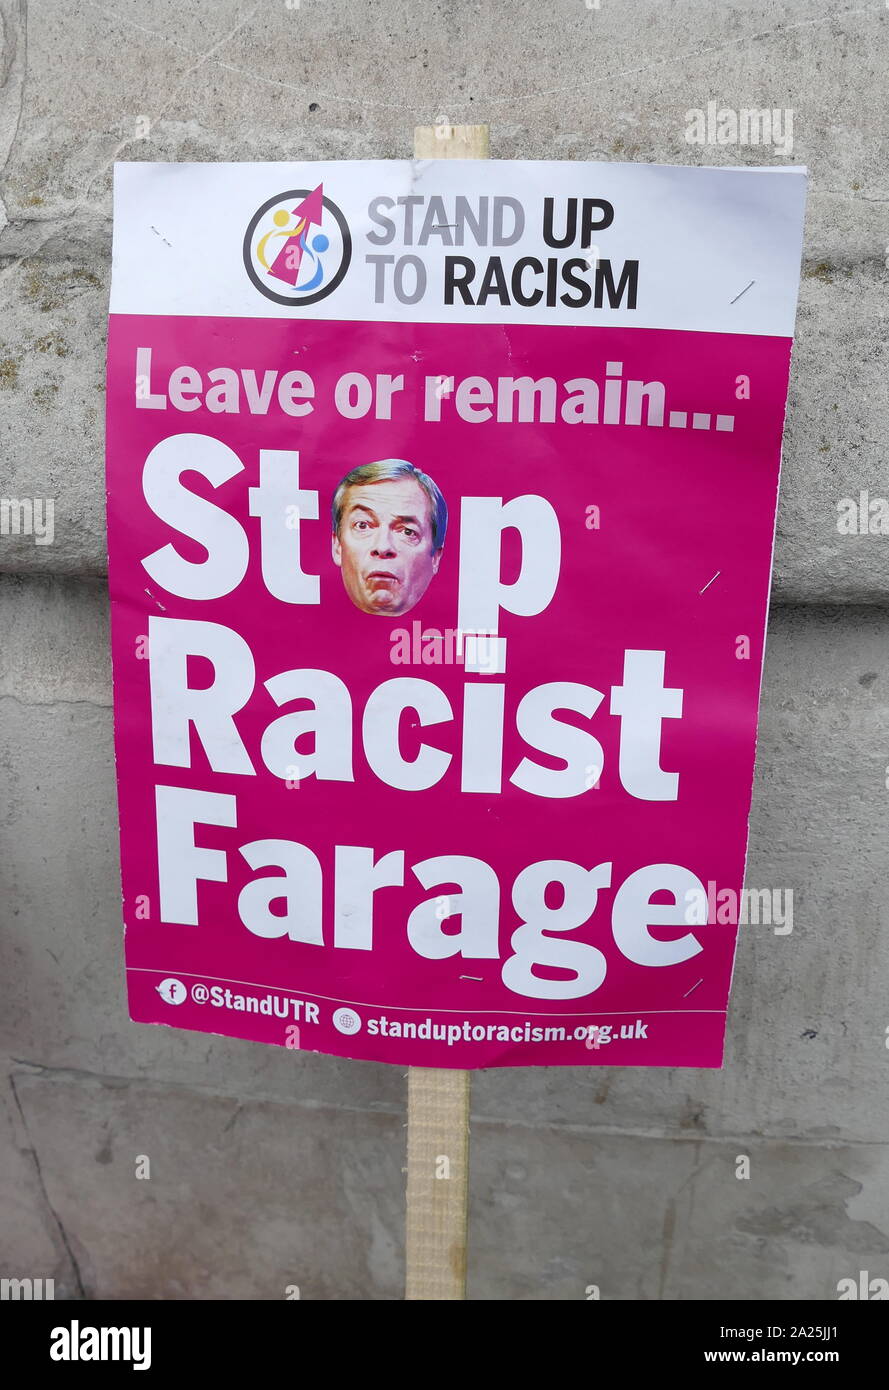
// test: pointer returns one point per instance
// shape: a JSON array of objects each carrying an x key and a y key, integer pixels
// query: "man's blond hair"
[{"x": 387, "y": 470}]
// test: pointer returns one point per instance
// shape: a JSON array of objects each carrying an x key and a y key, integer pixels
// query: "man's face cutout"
[{"x": 384, "y": 546}]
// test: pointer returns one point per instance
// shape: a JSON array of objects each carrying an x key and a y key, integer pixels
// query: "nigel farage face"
[{"x": 384, "y": 546}]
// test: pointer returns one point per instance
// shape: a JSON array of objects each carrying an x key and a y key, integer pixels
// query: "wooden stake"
[
  {"x": 437, "y": 1183},
  {"x": 446, "y": 141},
  {"x": 438, "y": 1100}
]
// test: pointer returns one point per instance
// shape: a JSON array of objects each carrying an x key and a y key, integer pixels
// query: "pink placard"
[{"x": 349, "y": 825}]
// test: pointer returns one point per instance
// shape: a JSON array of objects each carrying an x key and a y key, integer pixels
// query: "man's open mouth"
[{"x": 386, "y": 575}]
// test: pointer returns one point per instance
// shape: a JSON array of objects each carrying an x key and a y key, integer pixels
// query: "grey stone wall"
[{"x": 271, "y": 1168}]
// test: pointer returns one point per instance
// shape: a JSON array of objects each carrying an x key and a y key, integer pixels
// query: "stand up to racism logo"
[{"x": 297, "y": 247}]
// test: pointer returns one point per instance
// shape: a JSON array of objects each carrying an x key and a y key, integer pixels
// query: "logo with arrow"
[{"x": 297, "y": 247}]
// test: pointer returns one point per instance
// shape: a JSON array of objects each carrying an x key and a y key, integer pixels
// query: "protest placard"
[{"x": 441, "y": 501}]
